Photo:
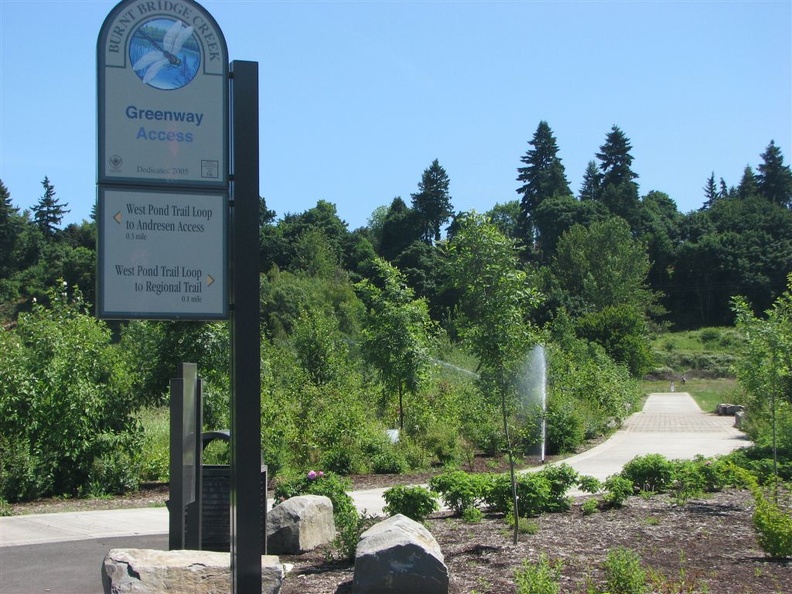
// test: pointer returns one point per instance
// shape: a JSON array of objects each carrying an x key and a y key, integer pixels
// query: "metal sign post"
[{"x": 246, "y": 508}]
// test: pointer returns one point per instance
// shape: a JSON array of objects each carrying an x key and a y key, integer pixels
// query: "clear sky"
[{"x": 358, "y": 97}]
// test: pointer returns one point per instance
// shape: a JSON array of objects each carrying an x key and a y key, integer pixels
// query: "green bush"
[
  {"x": 541, "y": 577},
  {"x": 65, "y": 396},
  {"x": 460, "y": 490},
  {"x": 651, "y": 472},
  {"x": 561, "y": 478},
  {"x": 414, "y": 502},
  {"x": 624, "y": 573},
  {"x": 617, "y": 490},
  {"x": 774, "y": 527},
  {"x": 688, "y": 480},
  {"x": 533, "y": 494},
  {"x": 589, "y": 484},
  {"x": 328, "y": 484},
  {"x": 590, "y": 506}
]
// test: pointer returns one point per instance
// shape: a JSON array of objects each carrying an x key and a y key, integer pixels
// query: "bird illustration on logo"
[{"x": 164, "y": 54}]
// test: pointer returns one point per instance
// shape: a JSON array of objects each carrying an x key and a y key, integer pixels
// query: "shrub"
[
  {"x": 541, "y": 577},
  {"x": 774, "y": 527},
  {"x": 460, "y": 490},
  {"x": 618, "y": 489},
  {"x": 533, "y": 494},
  {"x": 328, "y": 484},
  {"x": 590, "y": 506},
  {"x": 688, "y": 480},
  {"x": 414, "y": 502},
  {"x": 589, "y": 484},
  {"x": 472, "y": 515},
  {"x": 561, "y": 478},
  {"x": 652, "y": 472},
  {"x": 624, "y": 573},
  {"x": 65, "y": 396}
]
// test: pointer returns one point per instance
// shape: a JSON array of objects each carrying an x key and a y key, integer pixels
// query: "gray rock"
[
  {"x": 148, "y": 571},
  {"x": 399, "y": 556},
  {"x": 300, "y": 524},
  {"x": 729, "y": 409}
]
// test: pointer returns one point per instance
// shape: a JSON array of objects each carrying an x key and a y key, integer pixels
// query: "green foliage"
[
  {"x": 460, "y": 490},
  {"x": 590, "y": 506},
  {"x": 617, "y": 490},
  {"x": 773, "y": 526},
  {"x": 414, "y": 502},
  {"x": 314, "y": 482},
  {"x": 65, "y": 398},
  {"x": 589, "y": 484},
  {"x": 533, "y": 494},
  {"x": 542, "y": 577},
  {"x": 561, "y": 478},
  {"x": 472, "y": 515},
  {"x": 398, "y": 336},
  {"x": 651, "y": 472},
  {"x": 624, "y": 572}
]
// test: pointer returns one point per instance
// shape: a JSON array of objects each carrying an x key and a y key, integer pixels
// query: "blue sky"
[{"x": 357, "y": 98}]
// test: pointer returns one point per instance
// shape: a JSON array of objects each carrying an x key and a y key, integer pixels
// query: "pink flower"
[
  {"x": 311, "y": 475},
  {"x": 321, "y": 474}
]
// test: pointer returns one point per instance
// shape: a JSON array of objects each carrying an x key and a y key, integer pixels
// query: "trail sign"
[
  {"x": 163, "y": 254},
  {"x": 162, "y": 95},
  {"x": 163, "y": 162}
]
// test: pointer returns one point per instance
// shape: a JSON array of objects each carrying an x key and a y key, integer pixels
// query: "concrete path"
[{"x": 670, "y": 424}]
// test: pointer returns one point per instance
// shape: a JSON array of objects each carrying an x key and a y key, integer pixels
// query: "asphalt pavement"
[{"x": 63, "y": 552}]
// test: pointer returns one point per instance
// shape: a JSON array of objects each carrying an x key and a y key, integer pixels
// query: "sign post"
[{"x": 166, "y": 201}]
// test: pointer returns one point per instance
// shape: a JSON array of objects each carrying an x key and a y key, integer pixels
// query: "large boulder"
[
  {"x": 148, "y": 571},
  {"x": 399, "y": 556},
  {"x": 300, "y": 524}
]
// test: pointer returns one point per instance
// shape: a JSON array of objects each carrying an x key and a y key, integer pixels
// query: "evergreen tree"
[
  {"x": 432, "y": 202},
  {"x": 748, "y": 184},
  {"x": 589, "y": 189},
  {"x": 542, "y": 177},
  {"x": 618, "y": 191},
  {"x": 615, "y": 159},
  {"x": 48, "y": 211},
  {"x": 775, "y": 178},
  {"x": 9, "y": 230},
  {"x": 710, "y": 192}
]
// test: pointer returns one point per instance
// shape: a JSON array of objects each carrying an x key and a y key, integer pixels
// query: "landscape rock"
[
  {"x": 399, "y": 556},
  {"x": 728, "y": 410},
  {"x": 300, "y": 524},
  {"x": 148, "y": 571}
]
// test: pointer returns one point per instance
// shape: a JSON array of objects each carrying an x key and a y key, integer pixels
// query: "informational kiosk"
[{"x": 168, "y": 196}]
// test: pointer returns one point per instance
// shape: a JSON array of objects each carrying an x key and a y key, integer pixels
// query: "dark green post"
[{"x": 246, "y": 508}]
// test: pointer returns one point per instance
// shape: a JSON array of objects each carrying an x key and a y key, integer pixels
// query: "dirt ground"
[{"x": 707, "y": 546}]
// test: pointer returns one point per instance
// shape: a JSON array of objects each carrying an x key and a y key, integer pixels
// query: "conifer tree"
[
  {"x": 774, "y": 179},
  {"x": 748, "y": 184},
  {"x": 48, "y": 211},
  {"x": 432, "y": 202},
  {"x": 711, "y": 193},
  {"x": 589, "y": 189},
  {"x": 542, "y": 177},
  {"x": 618, "y": 190}
]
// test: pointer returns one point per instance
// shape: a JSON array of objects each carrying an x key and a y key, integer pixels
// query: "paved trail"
[{"x": 670, "y": 424}]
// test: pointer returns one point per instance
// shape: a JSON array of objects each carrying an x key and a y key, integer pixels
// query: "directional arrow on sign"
[
  {"x": 117, "y": 217},
  {"x": 209, "y": 280}
]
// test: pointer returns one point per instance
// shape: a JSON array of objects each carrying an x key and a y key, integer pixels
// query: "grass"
[{"x": 707, "y": 393}]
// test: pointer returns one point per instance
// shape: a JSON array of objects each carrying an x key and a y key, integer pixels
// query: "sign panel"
[
  {"x": 162, "y": 95},
  {"x": 163, "y": 254}
]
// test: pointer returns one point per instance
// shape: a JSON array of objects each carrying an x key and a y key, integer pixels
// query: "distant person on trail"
[{"x": 683, "y": 380}]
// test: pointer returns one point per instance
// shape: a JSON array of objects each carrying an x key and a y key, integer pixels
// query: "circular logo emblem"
[{"x": 165, "y": 53}]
